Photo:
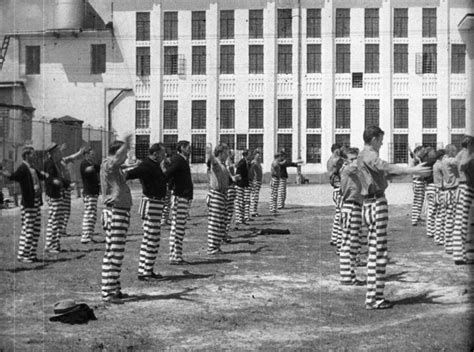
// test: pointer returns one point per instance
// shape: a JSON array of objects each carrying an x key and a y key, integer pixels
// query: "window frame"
[
  {"x": 372, "y": 112},
  {"x": 371, "y": 23},
  {"x": 198, "y": 65},
  {"x": 430, "y": 113},
  {"x": 142, "y": 26},
  {"x": 170, "y": 114},
  {"x": 401, "y": 113},
  {"x": 227, "y": 114},
  {"x": 372, "y": 58},
  {"x": 343, "y": 114},
  {"x": 285, "y": 113},
  {"x": 285, "y": 58},
  {"x": 400, "y": 22},
  {"x": 343, "y": 22},
  {"x": 143, "y": 61},
  {"x": 256, "y": 59},
  {"x": 313, "y": 58},
  {"x": 458, "y": 58},
  {"x": 343, "y": 58},
  {"x": 313, "y": 113},
  {"x": 198, "y": 114},
  {"x": 458, "y": 113},
  {"x": 285, "y": 23},
  {"x": 256, "y": 113},
  {"x": 198, "y": 25},
  {"x": 429, "y": 26},
  {"x": 313, "y": 142},
  {"x": 32, "y": 59},
  {"x": 170, "y": 62},
  {"x": 400, "y": 58},
  {"x": 313, "y": 23},
  {"x": 227, "y": 59},
  {"x": 255, "y": 23},
  {"x": 142, "y": 114},
  {"x": 227, "y": 25}
]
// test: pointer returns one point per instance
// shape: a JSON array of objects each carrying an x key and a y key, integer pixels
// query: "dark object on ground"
[
  {"x": 69, "y": 312},
  {"x": 274, "y": 231}
]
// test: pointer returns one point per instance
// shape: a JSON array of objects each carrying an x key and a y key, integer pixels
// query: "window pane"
[
  {"x": 400, "y": 23},
  {"x": 371, "y": 112},
  {"x": 142, "y": 114},
  {"x": 429, "y": 113},
  {"x": 371, "y": 23},
  {"x": 143, "y": 26},
  {"x": 199, "y": 25},
  {"x": 284, "y": 23},
  {"x": 170, "y": 115},
  {"x": 313, "y": 148},
  {"x": 170, "y": 24},
  {"x": 343, "y": 21},
  {"x": 400, "y": 148},
  {"x": 171, "y": 60},
  {"x": 400, "y": 113},
  {"x": 285, "y": 58},
  {"x": 33, "y": 60},
  {"x": 227, "y": 24},
  {"x": 142, "y": 145},
  {"x": 255, "y": 23},
  {"x": 429, "y": 58},
  {"x": 343, "y": 139},
  {"x": 285, "y": 142},
  {"x": 343, "y": 58},
  {"x": 400, "y": 58},
  {"x": 458, "y": 113},
  {"x": 170, "y": 141},
  {"x": 227, "y": 114},
  {"x": 313, "y": 24},
  {"x": 458, "y": 58},
  {"x": 255, "y": 114},
  {"x": 241, "y": 141},
  {"x": 429, "y": 22},
  {"x": 143, "y": 61},
  {"x": 285, "y": 113},
  {"x": 343, "y": 113},
  {"x": 227, "y": 59},
  {"x": 313, "y": 113},
  {"x": 456, "y": 139},
  {"x": 198, "y": 118},
  {"x": 314, "y": 58},
  {"x": 429, "y": 140},
  {"x": 228, "y": 139},
  {"x": 198, "y": 148},
  {"x": 256, "y": 142},
  {"x": 371, "y": 58},
  {"x": 255, "y": 59},
  {"x": 199, "y": 60}
]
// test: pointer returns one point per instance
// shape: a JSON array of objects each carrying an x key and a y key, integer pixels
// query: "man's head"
[
  {"x": 114, "y": 147},
  {"x": 184, "y": 148},
  {"x": 351, "y": 154},
  {"x": 440, "y": 153},
  {"x": 418, "y": 150},
  {"x": 157, "y": 152},
  {"x": 335, "y": 146},
  {"x": 28, "y": 154},
  {"x": 257, "y": 156},
  {"x": 54, "y": 152},
  {"x": 246, "y": 154},
  {"x": 89, "y": 154},
  {"x": 451, "y": 150},
  {"x": 373, "y": 136},
  {"x": 221, "y": 152},
  {"x": 468, "y": 142}
]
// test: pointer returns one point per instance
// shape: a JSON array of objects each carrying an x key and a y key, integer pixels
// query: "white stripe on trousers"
[
  {"x": 431, "y": 211},
  {"x": 230, "y": 206},
  {"x": 336, "y": 233},
  {"x": 281, "y": 193},
  {"x": 151, "y": 235},
  {"x": 274, "y": 185},
  {"x": 90, "y": 215},
  {"x": 65, "y": 209},
  {"x": 254, "y": 196},
  {"x": 450, "y": 210},
  {"x": 216, "y": 221},
  {"x": 375, "y": 214},
  {"x": 440, "y": 216},
  {"x": 179, "y": 215},
  {"x": 465, "y": 198},
  {"x": 117, "y": 222},
  {"x": 30, "y": 231},
  {"x": 242, "y": 204},
  {"x": 418, "y": 199},
  {"x": 55, "y": 224},
  {"x": 351, "y": 222}
]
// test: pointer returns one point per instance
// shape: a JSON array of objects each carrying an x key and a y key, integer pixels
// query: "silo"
[{"x": 69, "y": 14}]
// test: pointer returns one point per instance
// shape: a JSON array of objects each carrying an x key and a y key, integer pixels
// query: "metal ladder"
[{"x": 3, "y": 53}]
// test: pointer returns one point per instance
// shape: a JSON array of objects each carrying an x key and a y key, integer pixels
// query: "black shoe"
[
  {"x": 114, "y": 299},
  {"x": 151, "y": 276},
  {"x": 177, "y": 262},
  {"x": 383, "y": 304},
  {"x": 227, "y": 239},
  {"x": 122, "y": 295}
]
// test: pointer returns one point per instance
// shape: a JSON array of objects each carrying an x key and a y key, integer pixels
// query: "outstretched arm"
[
  {"x": 75, "y": 156},
  {"x": 121, "y": 155}
]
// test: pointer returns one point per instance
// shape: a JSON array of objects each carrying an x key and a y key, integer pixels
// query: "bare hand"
[
  {"x": 6, "y": 173},
  {"x": 422, "y": 170}
]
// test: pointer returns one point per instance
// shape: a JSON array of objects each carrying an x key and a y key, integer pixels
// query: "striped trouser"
[
  {"x": 351, "y": 222},
  {"x": 216, "y": 221},
  {"x": 247, "y": 194},
  {"x": 90, "y": 215},
  {"x": 336, "y": 225},
  {"x": 256, "y": 185},
  {"x": 116, "y": 223},
  {"x": 418, "y": 199},
  {"x": 30, "y": 231},
  {"x": 65, "y": 209},
  {"x": 230, "y": 207},
  {"x": 431, "y": 191},
  {"x": 166, "y": 207},
  {"x": 240, "y": 195},
  {"x": 179, "y": 215},
  {"x": 151, "y": 235},
  {"x": 450, "y": 210},
  {"x": 281, "y": 193},
  {"x": 375, "y": 214},
  {"x": 274, "y": 186},
  {"x": 55, "y": 223},
  {"x": 440, "y": 216},
  {"x": 465, "y": 197}
]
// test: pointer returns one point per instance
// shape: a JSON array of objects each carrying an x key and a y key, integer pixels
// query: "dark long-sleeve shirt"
[
  {"x": 242, "y": 169},
  {"x": 24, "y": 177},
  {"x": 54, "y": 173},
  {"x": 151, "y": 177},
  {"x": 180, "y": 172},
  {"x": 90, "y": 178},
  {"x": 284, "y": 165}
]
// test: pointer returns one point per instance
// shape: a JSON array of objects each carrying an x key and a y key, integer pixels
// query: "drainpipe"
[{"x": 298, "y": 113}]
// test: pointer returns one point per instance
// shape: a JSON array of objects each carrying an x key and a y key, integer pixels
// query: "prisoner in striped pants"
[
  {"x": 30, "y": 231},
  {"x": 216, "y": 221},
  {"x": 166, "y": 208},
  {"x": 281, "y": 193},
  {"x": 351, "y": 222},
  {"x": 465, "y": 196},
  {"x": 375, "y": 214},
  {"x": 55, "y": 224},
  {"x": 89, "y": 218},
  {"x": 274, "y": 186},
  {"x": 65, "y": 209},
  {"x": 153, "y": 209},
  {"x": 336, "y": 234},
  {"x": 229, "y": 207},
  {"x": 418, "y": 199},
  {"x": 116, "y": 223},
  {"x": 431, "y": 191},
  {"x": 440, "y": 217},
  {"x": 254, "y": 197},
  {"x": 450, "y": 210},
  {"x": 179, "y": 215},
  {"x": 242, "y": 205}
]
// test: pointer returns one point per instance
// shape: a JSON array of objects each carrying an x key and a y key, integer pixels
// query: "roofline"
[
  {"x": 15, "y": 106},
  {"x": 58, "y": 32},
  {"x": 11, "y": 83}
]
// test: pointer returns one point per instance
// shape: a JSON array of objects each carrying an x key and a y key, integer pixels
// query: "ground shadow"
[
  {"x": 87, "y": 250},
  {"x": 241, "y": 242},
  {"x": 178, "y": 296},
  {"x": 210, "y": 261},
  {"x": 250, "y": 251},
  {"x": 417, "y": 299},
  {"x": 396, "y": 277},
  {"x": 41, "y": 264},
  {"x": 186, "y": 276}
]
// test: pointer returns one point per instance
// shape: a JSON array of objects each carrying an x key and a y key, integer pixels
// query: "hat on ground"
[
  {"x": 51, "y": 147},
  {"x": 69, "y": 312}
]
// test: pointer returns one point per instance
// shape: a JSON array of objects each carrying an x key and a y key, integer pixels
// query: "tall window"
[
  {"x": 313, "y": 148},
  {"x": 313, "y": 23},
  {"x": 256, "y": 59},
  {"x": 256, "y": 142},
  {"x": 255, "y": 24},
  {"x": 285, "y": 112},
  {"x": 429, "y": 23},
  {"x": 400, "y": 23},
  {"x": 400, "y": 113},
  {"x": 143, "y": 26},
  {"x": 400, "y": 148},
  {"x": 429, "y": 113},
  {"x": 227, "y": 24},
  {"x": 171, "y": 60},
  {"x": 170, "y": 24},
  {"x": 400, "y": 58},
  {"x": 429, "y": 58},
  {"x": 372, "y": 112},
  {"x": 198, "y": 148},
  {"x": 170, "y": 141},
  {"x": 314, "y": 58},
  {"x": 198, "y": 19},
  {"x": 228, "y": 139},
  {"x": 227, "y": 59},
  {"x": 371, "y": 23},
  {"x": 371, "y": 58},
  {"x": 343, "y": 139},
  {"x": 241, "y": 141},
  {"x": 284, "y": 23},
  {"x": 199, "y": 60},
  {"x": 458, "y": 113},
  {"x": 143, "y": 61},
  {"x": 456, "y": 139},
  {"x": 142, "y": 145},
  {"x": 458, "y": 58},
  {"x": 255, "y": 114},
  {"x": 227, "y": 114},
  {"x": 285, "y": 141},
  {"x": 142, "y": 114},
  {"x": 313, "y": 113},
  {"x": 343, "y": 113},
  {"x": 33, "y": 59},
  {"x": 343, "y": 23},
  {"x": 343, "y": 58},
  {"x": 98, "y": 59},
  {"x": 170, "y": 114},
  {"x": 285, "y": 58},
  {"x": 429, "y": 140},
  {"x": 198, "y": 115}
]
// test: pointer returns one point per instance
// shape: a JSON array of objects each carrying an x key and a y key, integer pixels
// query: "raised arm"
[
  {"x": 121, "y": 155},
  {"x": 75, "y": 156}
]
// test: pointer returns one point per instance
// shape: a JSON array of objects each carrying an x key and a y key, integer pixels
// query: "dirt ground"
[{"x": 266, "y": 292}]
